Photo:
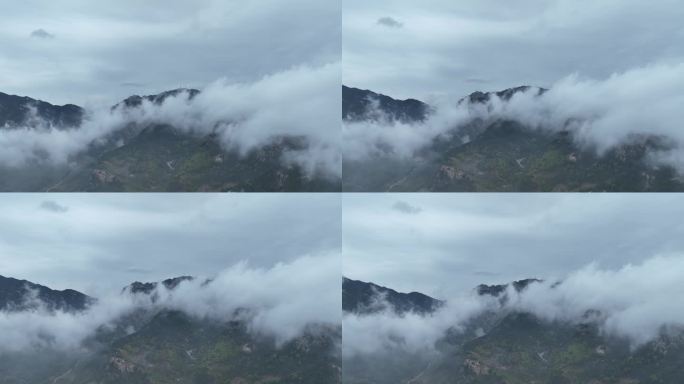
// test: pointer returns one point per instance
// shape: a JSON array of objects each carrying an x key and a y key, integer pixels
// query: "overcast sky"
[
  {"x": 85, "y": 52},
  {"x": 100, "y": 242},
  {"x": 407, "y": 48},
  {"x": 444, "y": 244}
]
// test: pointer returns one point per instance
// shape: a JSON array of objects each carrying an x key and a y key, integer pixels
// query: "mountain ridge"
[
  {"x": 14, "y": 110},
  {"x": 500, "y": 156},
  {"x": 516, "y": 347},
  {"x": 162, "y": 345},
  {"x": 14, "y": 294},
  {"x": 151, "y": 157}
]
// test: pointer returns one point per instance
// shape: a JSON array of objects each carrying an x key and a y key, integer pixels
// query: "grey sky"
[
  {"x": 453, "y": 48},
  {"x": 449, "y": 243},
  {"x": 99, "y": 242},
  {"x": 85, "y": 52}
]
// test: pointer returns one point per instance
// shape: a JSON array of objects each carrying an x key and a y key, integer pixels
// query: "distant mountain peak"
[
  {"x": 19, "y": 295},
  {"x": 360, "y": 104},
  {"x": 136, "y": 100},
  {"x": 16, "y": 111},
  {"x": 365, "y": 298},
  {"x": 496, "y": 290},
  {"x": 506, "y": 94},
  {"x": 148, "y": 287}
]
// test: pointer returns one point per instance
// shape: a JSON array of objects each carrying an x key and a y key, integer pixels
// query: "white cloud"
[
  {"x": 278, "y": 304},
  {"x": 411, "y": 332},
  {"x": 300, "y": 102},
  {"x": 150, "y": 237},
  {"x": 601, "y": 114},
  {"x": 636, "y": 301},
  {"x": 534, "y": 43},
  {"x": 163, "y": 44}
]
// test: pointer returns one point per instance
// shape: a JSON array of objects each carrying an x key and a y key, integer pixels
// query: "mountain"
[
  {"x": 500, "y": 155},
  {"x": 498, "y": 289},
  {"x": 151, "y": 157},
  {"x": 148, "y": 287},
  {"x": 509, "y": 347},
  {"x": 15, "y": 110},
  {"x": 154, "y": 345},
  {"x": 358, "y": 104},
  {"x": 20, "y": 295},
  {"x": 136, "y": 100},
  {"x": 366, "y": 298}
]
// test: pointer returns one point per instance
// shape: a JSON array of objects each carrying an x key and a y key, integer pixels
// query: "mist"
[
  {"x": 269, "y": 300},
  {"x": 411, "y": 332},
  {"x": 599, "y": 113},
  {"x": 302, "y": 102},
  {"x": 636, "y": 302}
]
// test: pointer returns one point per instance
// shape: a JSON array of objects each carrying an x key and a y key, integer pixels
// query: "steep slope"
[
  {"x": 20, "y": 295},
  {"x": 151, "y": 157},
  {"x": 18, "y": 110},
  {"x": 173, "y": 347},
  {"x": 158, "y": 345},
  {"x": 366, "y": 298},
  {"x": 359, "y": 104},
  {"x": 161, "y": 158},
  {"x": 502, "y": 155},
  {"x": 523, "y": 349},
  {"x": 510, "y": 347}
]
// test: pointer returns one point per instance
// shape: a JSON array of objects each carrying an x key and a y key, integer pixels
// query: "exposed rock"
[
  {"x": 476, "y": 367},
  {"x": 103, "y": 177},
  {"x": 600, "y": 350},
  {"x": 122, "y": 365},
  {"x": 451, "y": 172}
]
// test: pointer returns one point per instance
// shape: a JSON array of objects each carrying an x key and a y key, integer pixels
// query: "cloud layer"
[
  {"x": 278, "y": 305},
  {"x": 634, "y": 302},
  {"x": 102, "y": 53},
  {"x": 302, "y": 102},
  {"x": 64, "y": 243},
  {"x": 460, "y": 47},
  {"x": 601, "y": 114},
  {"x": 410, "y": 332}
]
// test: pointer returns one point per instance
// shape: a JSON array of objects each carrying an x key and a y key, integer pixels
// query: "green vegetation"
[
  {"x": 171, "y": 347},
  {"x": 507, "y": 157},
  {"x": 161, "y": 159}
]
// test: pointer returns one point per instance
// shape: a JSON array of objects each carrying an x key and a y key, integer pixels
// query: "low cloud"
[
  {"x": 301, "y": 103},
  {"x": 411, "y": 332},
  {"x": 383, "y": 135},
  {"x": 275, "y": 304},
  {"x": 600, "y": 115},
  {"x": 42, "y": 34},
  {"x": 389, "y": 22},
  {"x": 634, "y": 302}
]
